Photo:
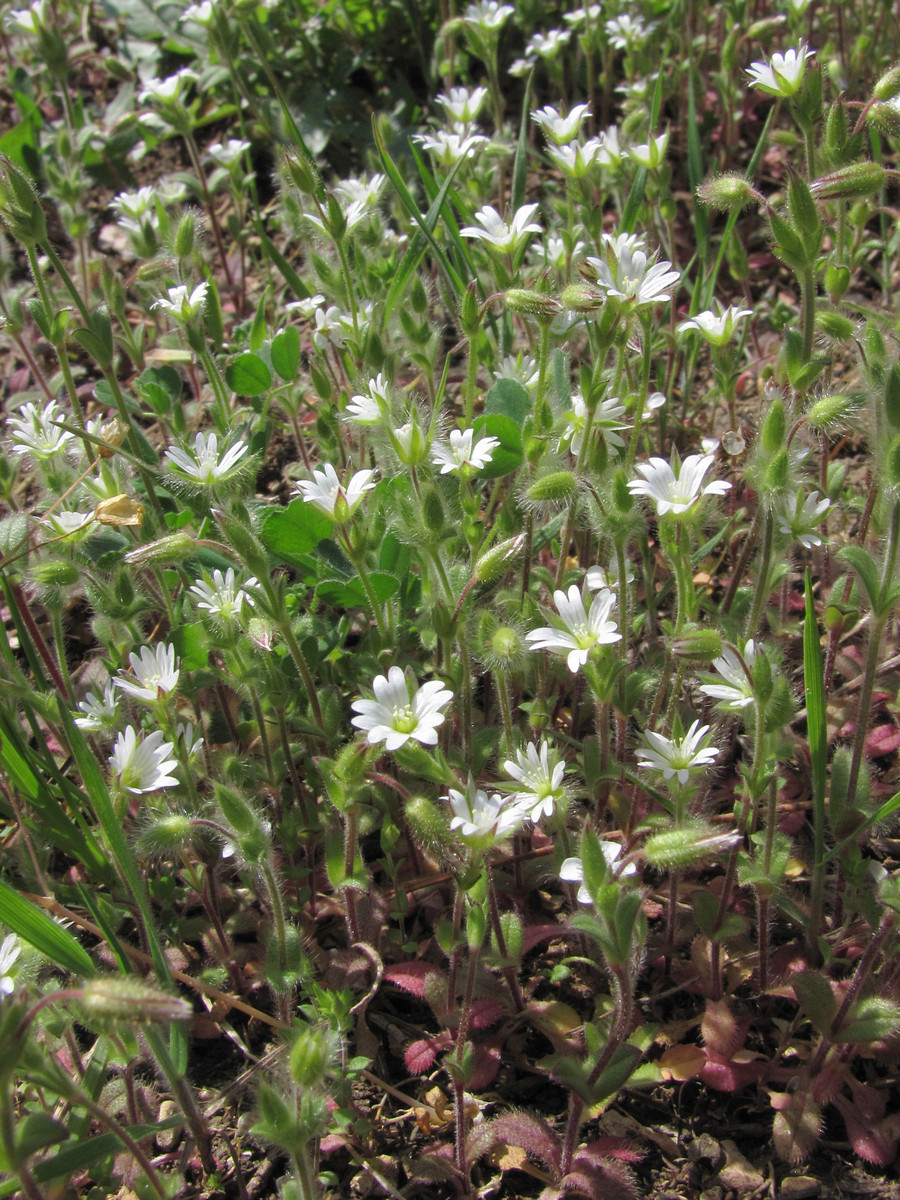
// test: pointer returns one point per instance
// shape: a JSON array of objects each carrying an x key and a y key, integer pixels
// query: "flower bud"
[
  {"x": 129, "y": 999},
  {"x": 885, "y": 116},
  {"x": 428, "y": 825},
  {"x": 433, "y": 511},
  {"x": 888, "y": 85},
  {"x": 727, "y": 193},
  {"x": 700, "y": 645},
  {"x": 172, "y": 834},
  {"x": 470, "y": 312},
  {"x": 534, "y": 304},
  {"x": 776, "y": 476},
  {"x": 183, "y": 243},
  {"x": 302, "y": 173},
  {"x": 837, "y": 280},
  {"x": 835, "y": 325},
  {"x": 675, "y": 849},
  {"x": 311, "y": 1056},
  {"x": 774, "y": 427},
  {"x": 858, "y": 179},
  {"x": 55, "y": 574},
  {"x": 176, "y": 548},
  {"x": 556, "y": 487},
  {"x": 494, "y": 563},
  {"x": 831, "y": 410},
  {"x": 761, "y": 672},
  {"x": 581, "y": 297}
]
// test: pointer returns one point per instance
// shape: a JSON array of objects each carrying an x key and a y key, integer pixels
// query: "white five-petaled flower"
[
  {"x": 34, "y": 432},
  {"x": 651, "y": 153},
  {"x": 558, "y": 128},
  {"x": 783, "y": 74},
  {"x": 572, "y": 869},
  {"x": 338, "y": 500},
  {"x": 635, "y": 278},
  {"x": 182, "y": 304},
  {"x": 802, "y": 518},
  {"x": 597, "y": 577},
  {"x": 227, "y": 153},
  {"x": 610, "y": 151},
  {"x": 499, "y": 235},
  {"x": 549, "y": 44},
  {"x": 577, "y": 158},
  {"x": 448, "y": 147},
  {"x": 30, "y": 20},
  {"x": 461, "y": 105},
  {"x": 521, "y": 368},
  {"x": 99, "y": 711},
  {"x": 737, "y": 690},
  {"x": 142, "y": 766},
  {"x": 402, "y": 710},
  {"x": 625, "y": 31},
  {"x": 606, "y": 419},
  {"x": 9, "y": 952},
  {"x": 135, "y": 204},
  {"x": 583, "y": 630},
  {"x": 673, "y": 493},
  {"x": 223, "y": 598},
  {"x": 370, "y": 407},
  {"x": 200, "y": 14},
  {"x": 580, "y": 16},
  {"x": 329, "y": 327},
  {"x": 483, "y": 820},
  {"x": 165, "y": 92},
  {"x": 155, "y": 673},
  {"x": 204, "y": 464},
  {"x": 717, "y": 327},
  {"x": 487, "y": 14},
  {"x": 541, "y": 781},
  {"x": 464, "y": 455},
  {"x": 677, "y": 757}
]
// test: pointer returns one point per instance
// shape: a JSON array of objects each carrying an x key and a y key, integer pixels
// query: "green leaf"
[
  {"x": 292, "y": 532},
  {"x": 509, "y": 454},
  {"x": 351, "y": 593},
  {"x": 520, "y": 162},
  {"x": 287, "y": 272},
  {"x": 817, "y": 999},
  {"x": 37, "y": 1131},
  {"x": 93, "y": 1150},
  {"x": 285, "y": 353},
  {"x": 42, "y": 932},
  {"x": 160, "y": 388},
  {"x": 509, "y": 399},
  {"x": 814, "y": 685},
  {"x": 248, "y": 375},
  {"x": 622, "y": 1066},
  {"x": 191, "y": 645},
  {"x": 863, "y": 564},
  {"x": 258, "y": 328},
  {"x": 872, "y": 1020}
]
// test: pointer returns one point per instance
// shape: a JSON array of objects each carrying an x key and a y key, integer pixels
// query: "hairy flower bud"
[
  {"x": 581, "y": 297},
  {"x": 888, "y": 85},
  {"x": 535, "y": 304},
  {"x": 175, "y": 548},
  {"x": 828, "y": 411},
  {"x": 131, "y": 1000},
  {"x": 557, "y": 487},
  {"x": 696, "y": 644},
  {"x": 728, "y": 193},
  {"x": 858, "y": 179},
  {"x": 494, "y": 563},
  {"x": 774, "y": 427},
  {"x": 837, "y": 280},
  {"x": 892, "y": 395}
]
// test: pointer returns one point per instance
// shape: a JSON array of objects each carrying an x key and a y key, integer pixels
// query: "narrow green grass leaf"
[
  {"x": 413, "y": 209},
  {"x": 695, "y": 171},
  {"x": 281, "y": 264},
  {"x": 817, "y": 733},
  {"x": 520, "y": 162},
  {"x": 42, "y": 932}
]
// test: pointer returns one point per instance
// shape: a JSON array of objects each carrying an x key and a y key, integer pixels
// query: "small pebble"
[
  {"x": 705, "y": 1148},
  {"x": 739, "y": 1172},
  {"x": 798, "y": 1187}
]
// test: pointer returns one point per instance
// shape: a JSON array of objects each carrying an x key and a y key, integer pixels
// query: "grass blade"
[
  {"x": 43, "y": 933},
  {"x": 814, "y": 686}
]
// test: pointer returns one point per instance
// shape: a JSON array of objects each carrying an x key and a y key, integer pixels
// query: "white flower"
[
  {"x": 557, "y": 128},
  {"x": 156, "y": 673},
  {"x": 184, "y": 731},
  {"x": 635, "y": 278},
  {"x": 576, "y": 159},
  {"x": 803, "y": 518},
  {"x": 142, "y": 766},
  {"x": 370, "y": 407},
  {"x": 737, "y": 691},
  {"x": 401, "y": 710},
  {"x": 200, "y": 14},
  {"x": 555, "y": 252},
  {"x": 306, "y": 307},
  {"x": 222, "y": 599},
  {"x": 462, "y": 456},
  {"x": 169, "y": 191},
  {"x": 226, "y": 154},
  {"x": 30, "y": 20},
  {"x": 329, "y": 327},
  {"x": 583, "y": 631},
  {"x": 495, "y": 231},
  {"x": 677, "y": 757},
  {"x": 580, "y": 16},
  {"x": 650, "y": 154},
  {"x": 606, "y": 418},
  {"x": 654, "y": 401},
  {"x": 166, "y": 91},
  {"x": 449, "y": 148},
  {"x": 487, "y": 14},
  {"x": 625, "y": 31},
  {"x": 572, "y": 869},
  {"x": 676, "y": 493},
  {"x": 481, "y": 818},
  {"x": 182, "y": 304},
  {"x": 549, "y": 44},
  {"x": 100, "y": 712},
  {"x": 783, "y": 74},
  {"x": 717, "y": 327},
  {"x": 522, "y": 368},
  {"x": 461, "y": 105},
  {"x": 610, "y": 152},
  {"x": 135, "y": 204},
  {"x": 204, "y": 464},
  {"x": 34, "y": 432},
  {"x": 596, "y": 577},
  {"x": 542, "y": 780},
  {"x": 327, "y": 492},
  {"x": 9, "y": 952}
]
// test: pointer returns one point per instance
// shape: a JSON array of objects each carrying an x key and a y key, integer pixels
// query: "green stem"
[
  {"x": 808, "y": 310},
  {"x": 762, "y": 582},
  {"x": 358, "y": 560}
]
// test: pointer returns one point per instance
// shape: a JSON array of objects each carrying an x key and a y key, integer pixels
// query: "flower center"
[{"x": 404, "y": 720}]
